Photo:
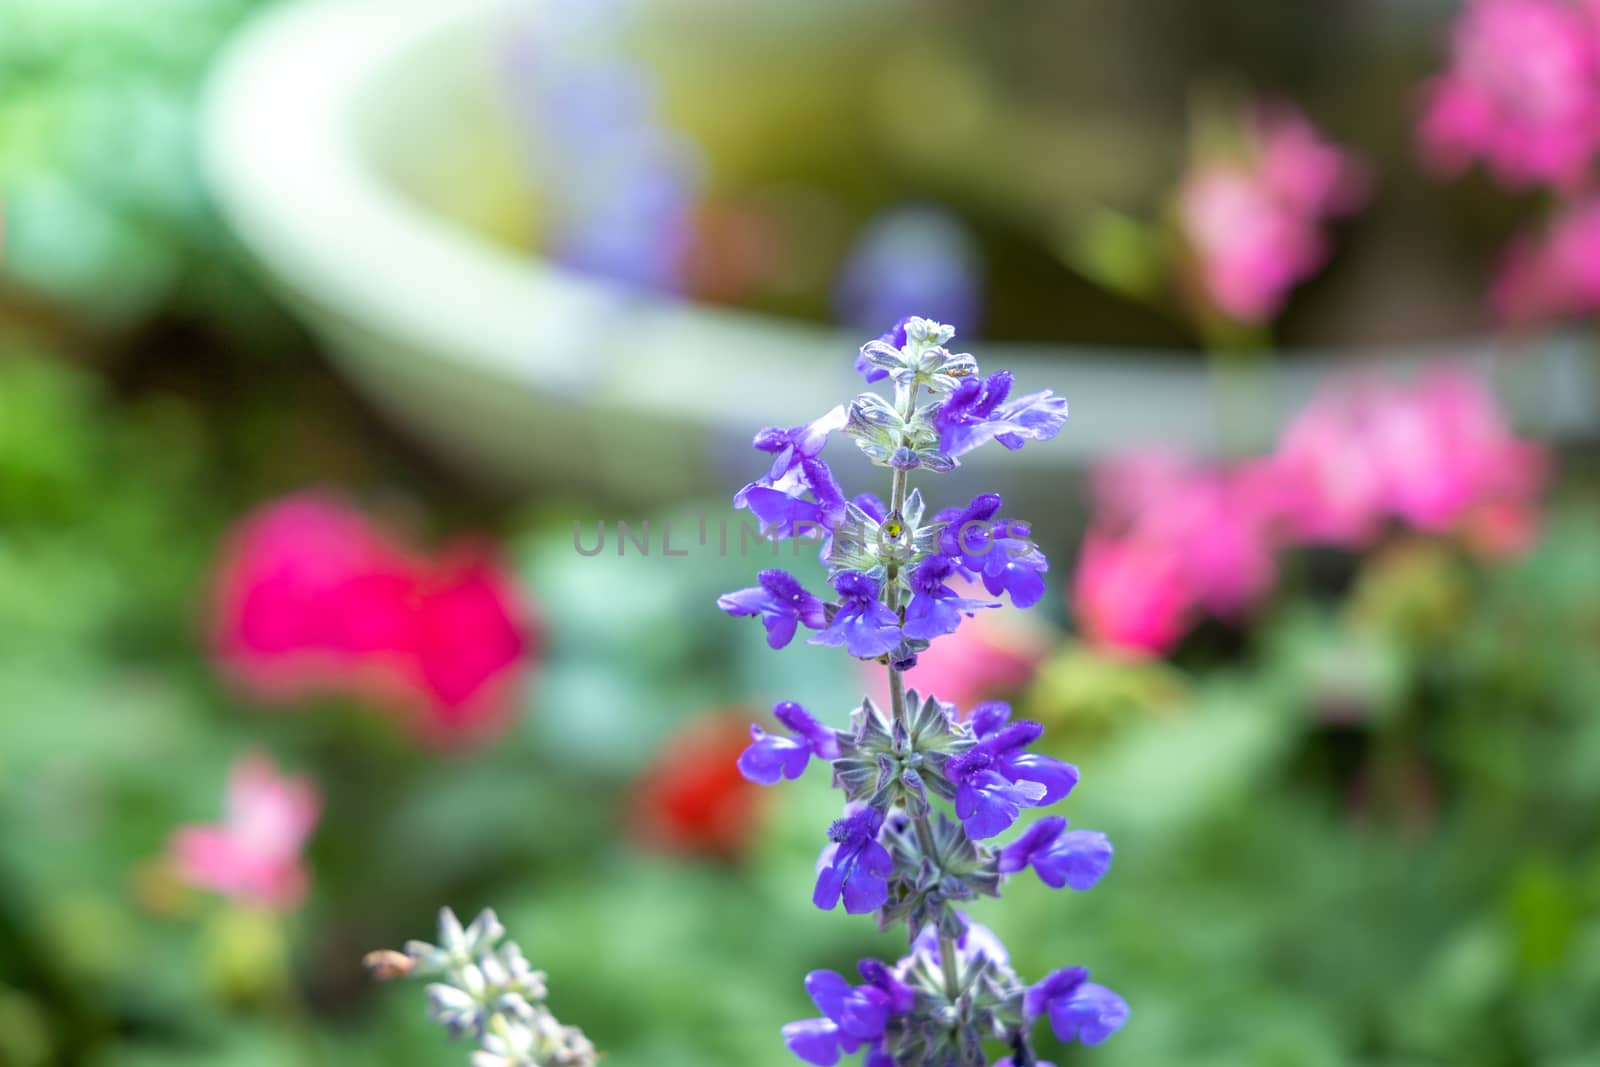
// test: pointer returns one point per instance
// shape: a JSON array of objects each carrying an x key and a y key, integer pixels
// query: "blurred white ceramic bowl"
[{"x": 326, "y": 117}]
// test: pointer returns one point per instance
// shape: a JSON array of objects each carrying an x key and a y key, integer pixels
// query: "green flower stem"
[{"x": 897, "y": 698}]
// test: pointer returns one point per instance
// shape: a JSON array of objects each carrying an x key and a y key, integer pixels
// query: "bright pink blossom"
[
  {"x": 1214, "y": 519},
  {"x": 1332, "y": 491},
  {"x": 1437, "y": 456},
  {"x": 1254, "y": 223},
  {"x": 1173, "y": 538},
  {"x": 1522, "y": 92},
  {"x": 1554, "y": 274},
  {"x": 1129, "y": 594},
  {"x": 1306, "y": 170},
  {"x": 469, "y": 641},
  {"x": 254, "y": 855},
  {"x": 312, "y": 598}
]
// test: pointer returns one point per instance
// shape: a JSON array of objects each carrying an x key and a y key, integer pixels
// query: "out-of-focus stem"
[{"x": 1238, "y": 355}]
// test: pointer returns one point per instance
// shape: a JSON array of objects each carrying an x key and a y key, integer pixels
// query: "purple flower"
[
  {"x": 855, "y": 865},
  {"x": 935, "y": 608},
  {"x": 987, "y": 802},
  {"x": 818, "y": 1041},
  {"x": 997, "y": 551},
  {"x": 789, "y": 447},
  {"x": 872, "y": 504},
  {"x": 976, "y": 940},
  {"x": 781, "y": 602},
  {"x": 774, "y": 756},
  {"x": 1060, "y": 857},
  {"x": 902, "y": 998},
  {"x": 911, "y": 257},
  {"x": 894, "y": 336},
  {"x": 976, "y": 412},
  {"x": 997, "y": 777},
  {"x": 971, "y": 401},
  {"x": 988, "y": 717},
  {"x": 1079, "y": 1009},
  {"x": 1013, "y": 760},
  {"x": 852, "y": 1016},
  {"x": 863, "y": 624},
  {"x": 777, "y": 497}
]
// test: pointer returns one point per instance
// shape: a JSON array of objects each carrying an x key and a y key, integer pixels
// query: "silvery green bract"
[{"x": 484, "y": 988}]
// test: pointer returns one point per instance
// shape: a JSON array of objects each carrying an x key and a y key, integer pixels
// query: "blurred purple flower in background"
[
  {"x": 917, "y": 258},
  {"x": 620, "y": 187}
]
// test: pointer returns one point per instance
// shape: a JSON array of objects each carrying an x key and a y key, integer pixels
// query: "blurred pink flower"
[
  {"x": 1253, "y": 224},
  {"x": 1172, "y": 537},
  {"x": 307, "y": 594},
  {"x": 310, "y": 597},
  {"x": 254, "y": 855},
  {"x": 1215, "y": 520},
  {"x": 1522, "y": 92},
  {"x": 1129, "y": 593},
  {"x": 1554, "y": 274},
  {"x": 1331, "y": 490},
  {"x": 1446, "y": 452},
  {"x": 1305, "y": 169},
  {"x": 1252, "y": 247},
  {"x": 470, "y": 643},
  {"x": 1437, "y": 456}
]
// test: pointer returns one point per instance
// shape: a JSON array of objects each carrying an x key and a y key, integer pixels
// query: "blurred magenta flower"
[
  {"x": 1307, "y": 170},
  {"x": 1331, "y": 490},
  {"x": 1214, "y": 519},
  {"x": 693, "y": 799},
  {"x": 1555, "y": 273},
  {"x": 1172, "y": 538},
  {"x": 1128, "y": 594},
  {"x": 473, "y": 641},
  {"x": 310, "y": 598},
  {"x": 1437, "y": 456},
  {"x": 254, "y": 854},
  {"x": 1447, "y": 454},
  {"x": 1253, "y": 220},
  {"x": 1522, "y": 92}
]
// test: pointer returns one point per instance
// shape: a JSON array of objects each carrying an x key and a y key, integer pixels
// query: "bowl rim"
[{"x": 281, "y": 159}]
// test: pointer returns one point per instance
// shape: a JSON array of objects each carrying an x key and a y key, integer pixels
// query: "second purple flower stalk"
[{"x": 928, "y": 789}]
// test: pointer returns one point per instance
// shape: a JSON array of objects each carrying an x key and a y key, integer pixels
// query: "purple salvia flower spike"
[{"x": 896, "y": 577}]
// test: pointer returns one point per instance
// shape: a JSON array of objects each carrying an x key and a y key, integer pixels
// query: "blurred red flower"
[
  {"x": 692, "y": 799},
  {"x": 311, "y": 597}
]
